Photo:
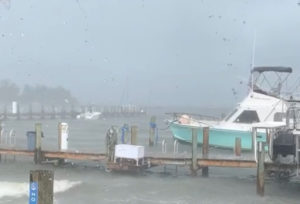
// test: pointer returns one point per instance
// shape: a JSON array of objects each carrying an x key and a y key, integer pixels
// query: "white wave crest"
[{"x": 13, "y": 189}]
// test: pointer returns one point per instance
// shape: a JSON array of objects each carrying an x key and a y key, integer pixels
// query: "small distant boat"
[
  {"x": 89, "y": 115},
  {"x": 260, "y": 108}
]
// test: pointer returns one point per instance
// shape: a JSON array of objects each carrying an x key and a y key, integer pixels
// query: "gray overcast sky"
[{"x": 149, "y": 52}]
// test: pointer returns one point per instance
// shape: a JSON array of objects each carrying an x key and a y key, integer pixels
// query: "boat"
[
  {"x": 263, "y": 106},
  {"x": 89, "y": 114}
]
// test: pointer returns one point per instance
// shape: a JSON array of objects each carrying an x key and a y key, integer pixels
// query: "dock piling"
[
  {"x": 38, "y": 144},
  {"x": 134, "y": 130},
  {"x": 41, "y": 187},
  {"x": 254, "y": 145},
  {"x": 111, "y": 141},
  {"x": 260, "y": 180},
  {"x": 237, "y": 148},
  {"x": 205, "y": 149},
  {"x": 194, "y": 151},
  {"x": 152, "y": 131}
]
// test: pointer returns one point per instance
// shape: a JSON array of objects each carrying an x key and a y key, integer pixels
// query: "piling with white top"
[
  {"x": 63, "y": 136},
  {"x": 14, "y": 107}
]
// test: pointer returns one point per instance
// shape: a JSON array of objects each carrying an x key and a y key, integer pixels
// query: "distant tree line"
[{"x": 48, "y": 96}]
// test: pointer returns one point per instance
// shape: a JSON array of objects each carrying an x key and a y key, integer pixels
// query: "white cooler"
[{"x": 127, "y": 151}]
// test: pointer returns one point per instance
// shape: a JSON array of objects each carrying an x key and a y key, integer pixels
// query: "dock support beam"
[
  {"x": 260, "y": 180},
  {"x": 134, "y": 130},
  {"x": 194, "y": 151},
  {"x": 38, "y": 144},
  {"x": 205, "y": 149},
  {"x": 41, "y": 182},
  {"x": 237, "y": 148}
]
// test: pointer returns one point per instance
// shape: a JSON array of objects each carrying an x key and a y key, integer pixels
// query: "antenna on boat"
[{"x": 253, "y": 58}]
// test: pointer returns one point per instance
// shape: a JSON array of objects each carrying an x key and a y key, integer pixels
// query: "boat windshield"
[{"x": 247, "y": 116}]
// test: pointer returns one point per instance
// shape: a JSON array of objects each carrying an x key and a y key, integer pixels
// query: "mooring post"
[
  {"x": 59, "y": 136},
  {"x": 134, "y": 130},
  {"x": 205, "y": 149},
  {"x": 111, "y": 141},
  {"x": 194, "y": 151},
  {"x": 237, "y": 148},
  {"x": 260, "y": 176},
  {"x": 62, "y": 139},
  {"x": 38, "y": 143},
  {"x": 124, "y": 134},
  {"x": 152, "y": 131},
  {"x": 268, "y": 134},
  {"x": 41, "y": 187},
  {"x": 254, "y": 144}
]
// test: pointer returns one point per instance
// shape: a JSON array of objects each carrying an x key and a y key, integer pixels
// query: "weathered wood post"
[
  {"x": 41, "y": 187},
  {"x": 237, "y": 148},
  {"x": 134, "y": 130},
  {"x": 194, "y": 151},
  {"x": 38, "y": 144},
  {"x": 268, "y": 134},
  {"x": 260, "y": 176},
  {"x": 152, "y": 131},
  {"x": 205, "y": 149},
  {"x": 111, "y": 141},
  {"x": 254, "y": 147}
]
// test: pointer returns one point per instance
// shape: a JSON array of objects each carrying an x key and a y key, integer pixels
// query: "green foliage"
[{"x": 35, "y": 94}]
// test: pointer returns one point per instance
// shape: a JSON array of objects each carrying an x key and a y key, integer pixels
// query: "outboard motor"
[
  {"x": 284, "y": 144},
  {"x": 284, "y": 140}
]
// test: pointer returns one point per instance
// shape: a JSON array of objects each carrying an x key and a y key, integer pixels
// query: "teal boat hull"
[{"x": 217, "y": 137}]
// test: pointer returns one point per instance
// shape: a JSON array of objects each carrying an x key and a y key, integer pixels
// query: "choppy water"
[{"x": 85, "y": 182}]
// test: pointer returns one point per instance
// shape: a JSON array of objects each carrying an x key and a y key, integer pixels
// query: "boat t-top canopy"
[
  {"x": 272, "y": 69},
  {"x": 269, "y": 79}
]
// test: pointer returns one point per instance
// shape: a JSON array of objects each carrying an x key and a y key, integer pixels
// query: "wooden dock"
[{"x": 153, "y": 160}]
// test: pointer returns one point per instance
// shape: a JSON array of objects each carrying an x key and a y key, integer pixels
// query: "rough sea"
[{"x": 88, "y": 182}]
